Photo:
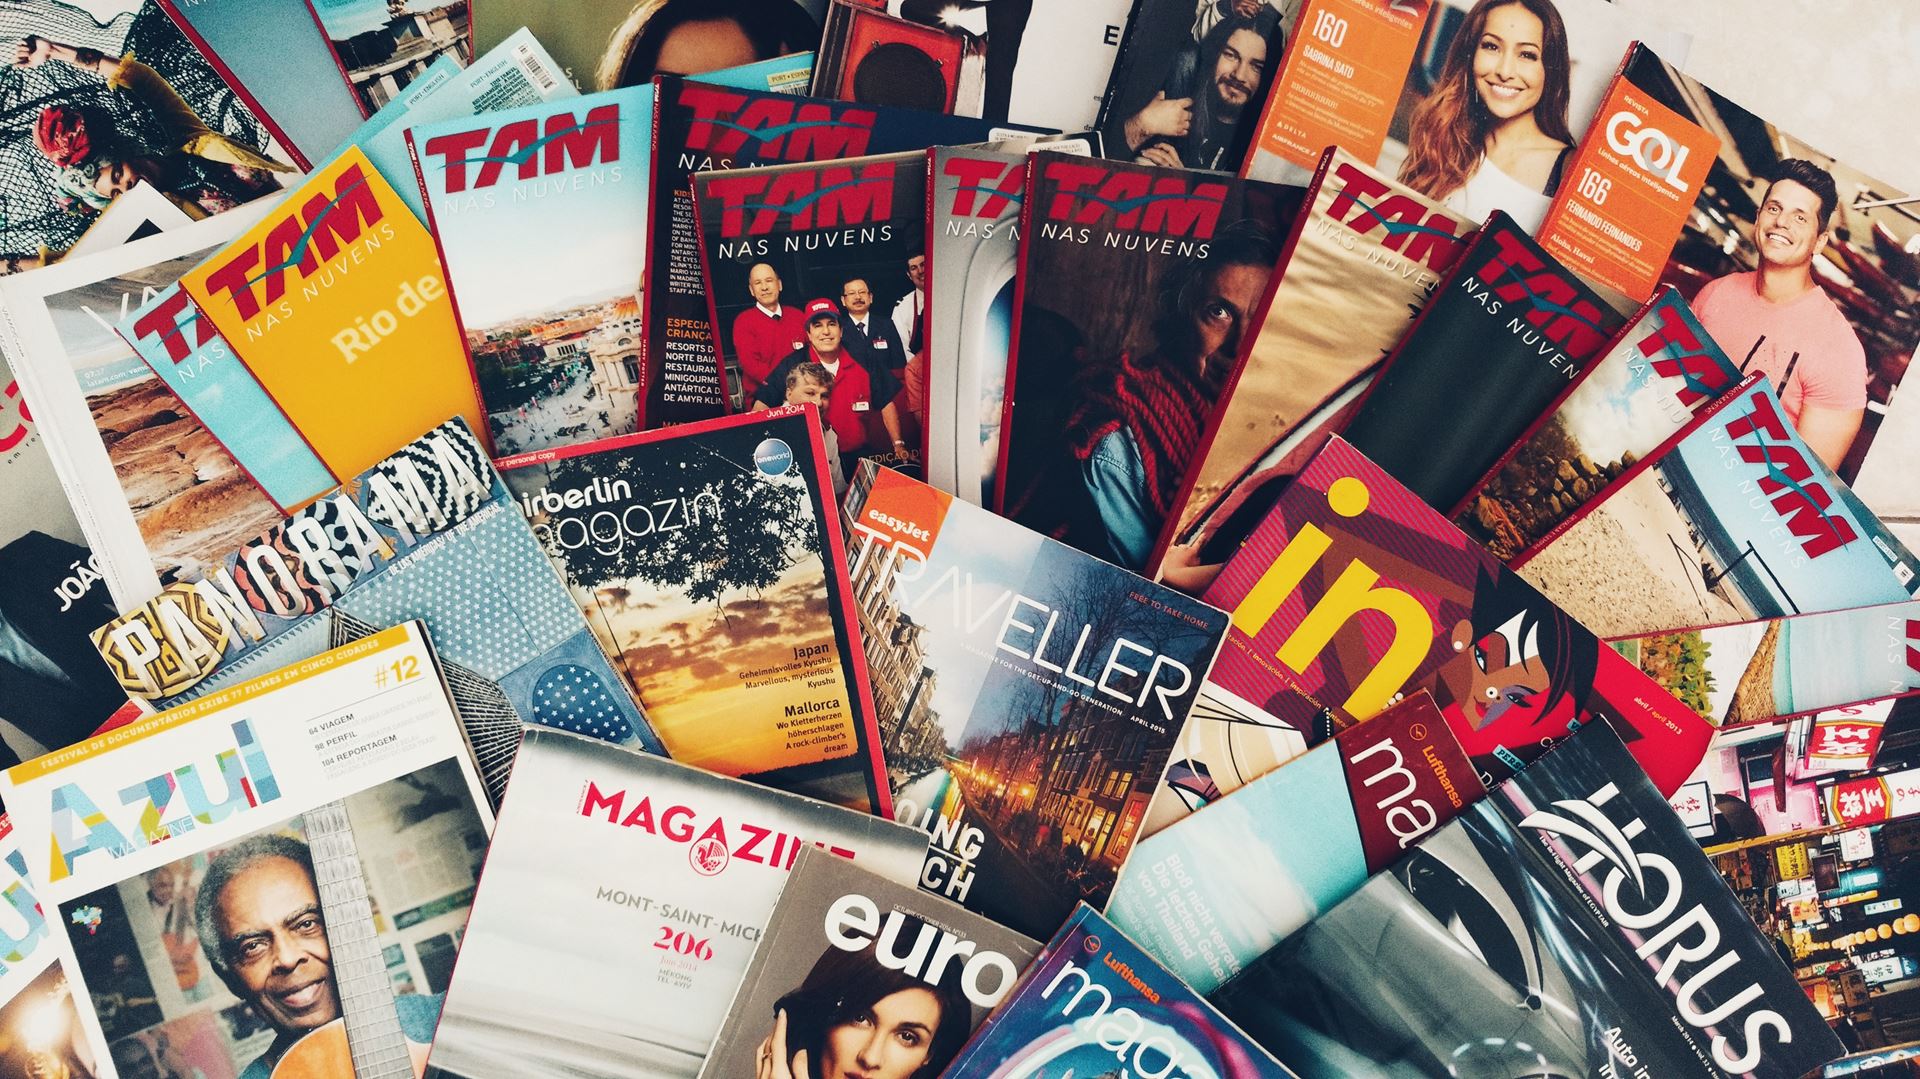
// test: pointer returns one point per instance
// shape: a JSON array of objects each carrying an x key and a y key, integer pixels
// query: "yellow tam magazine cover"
[{"x": 337, "y": 297}]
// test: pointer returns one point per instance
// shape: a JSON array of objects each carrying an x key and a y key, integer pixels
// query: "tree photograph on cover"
[
  {"x": 105, "y": 95},
  {"x": 223, "y": 960}
]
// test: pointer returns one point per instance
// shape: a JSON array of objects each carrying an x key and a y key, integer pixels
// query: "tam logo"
[
  {"x": 1367, "y": 205},
  {"x": 565, "y": 143},
  {"x": 753, "y": 202},
  {"x": 1650, "y": 148},
  {"x": 1676, "y": 353},
  {"x": 1553, "y": 303},
  {"x": 1799, "y": 496},
  {"x": 169, "y": 322},
  {"x": 773, "y": 127},
  {"x": 301, "y": 240},
  {"x": 987, "y": 188},
  {"x": 1180, "y": 204}
]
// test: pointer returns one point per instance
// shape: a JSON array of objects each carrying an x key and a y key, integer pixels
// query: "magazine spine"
[
  {"x": 1028, "y": 202},
  {"x": 446, "y": 272},
  {"x": 1553, "y": 408},
  {"x": 1170, "y": 528},
  {"x": 928, "y": 230},
  {"x": 300, "y": 157},
  {"x": 659, "y": 222},
  {"x": 346, "y": 78},
  {"x": 713, "y": 302},
  {"x": 1123, "y": 61},
  {"x": 1699, "y": 421}
]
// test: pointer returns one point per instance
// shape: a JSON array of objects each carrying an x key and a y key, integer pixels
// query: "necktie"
[{"x": 913, "y": 341}]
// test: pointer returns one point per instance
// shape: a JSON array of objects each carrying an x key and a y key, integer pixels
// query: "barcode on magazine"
[{"x": 541, "y": 76}]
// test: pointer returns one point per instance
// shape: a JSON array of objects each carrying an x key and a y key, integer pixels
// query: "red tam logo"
[
  {"x": 987, "y": 188},
  {"x": 1177, "y": 204},
  {"x": 1550, "y": 299},
  {"x": 169, "y": 321},
  {"x": 1677, "y": 353},
  {"x": 566, "y": 143},
  {"x": 1367, "y": 204},
  {"x": 301, "y": 241},
  {"x": 773, "y": 127},
  {"x": 753, "y": 202}
]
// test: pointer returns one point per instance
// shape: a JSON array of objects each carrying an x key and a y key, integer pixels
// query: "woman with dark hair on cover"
[
  {"x": 692, "y": 37},
  {"x": 1492, "y": 134},
  {"x": 1140, "y": 419},
  {"x": 855, "y": 1019}
]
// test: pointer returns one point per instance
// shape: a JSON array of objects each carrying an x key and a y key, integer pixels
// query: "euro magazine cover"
[
  {"x": 331, "y": 806},
  {"x": 1029, "y": 695},
  {"x": 705, "y": 560},
  {"x": 625, "y": 895},
  {"x": 861, "y": 952}
]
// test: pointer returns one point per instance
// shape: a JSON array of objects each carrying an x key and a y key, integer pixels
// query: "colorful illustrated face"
[
  {"x": 1508, "y": 72},
  {"x": 275, "y": 939},
  {"x": 891, "y": 1040},
  {"x": 1501, "y": 675}
]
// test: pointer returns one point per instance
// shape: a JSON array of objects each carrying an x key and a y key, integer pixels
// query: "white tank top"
[{"x": 1489, "y": 189}]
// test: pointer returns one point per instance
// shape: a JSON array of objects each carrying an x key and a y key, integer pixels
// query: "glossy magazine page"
[{"x": 1543, "y": 933}]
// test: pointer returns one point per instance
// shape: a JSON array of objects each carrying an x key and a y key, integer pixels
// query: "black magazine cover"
[
  {"x": 1187, "y": 89},
  {"x": 775, "y": 242},
  {"x": 856, "y": 952},
  {"x": 698, "y": 127},
  {"x": 1029, "y": 695},
  {"x": 1507, "y": 332},
  {"x": 1137, "y": 290},
  {"x": 1566, "y": 926}
]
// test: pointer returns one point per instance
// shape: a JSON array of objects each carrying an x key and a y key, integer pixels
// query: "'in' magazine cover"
[
  {"x": 1353, "y": 592},
  {"x": 1029, "y": 695},
  {"x": 705, "y": 562},
  {"x": 540, "y": 218}
]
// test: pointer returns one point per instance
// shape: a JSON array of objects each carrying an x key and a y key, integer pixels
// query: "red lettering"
[
  {"x": 166, "y": 320},
  {"x": 754, "y": 837},
  {"x": 681, "y": 813},
  {"x": 509, "y": 143},
  {"x": 641, "y": 817},
  {"x": 809, "y": 198},
  {"x": 596, "y": 800},
  {"x": 21, "y": 429},
  {"x": 452, "y": 150},
  {"x": 724, "y": 121},
  {"x": 595, "y": 140},
  {"x": 322, "y": 226},
  {"x": 986, "y": 188},
  {"x": 1136, "y": 200},
  {"x": 1677, "y": 354}
]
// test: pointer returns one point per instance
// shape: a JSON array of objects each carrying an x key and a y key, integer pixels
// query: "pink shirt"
[{"x": 1805, "y": 346}]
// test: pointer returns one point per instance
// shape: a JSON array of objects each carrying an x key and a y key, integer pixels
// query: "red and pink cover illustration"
[{"x": 1353, "y": 593}]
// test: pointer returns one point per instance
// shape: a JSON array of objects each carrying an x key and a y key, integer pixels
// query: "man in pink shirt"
[
  {"x": 1778, "y": 321},
  {"x": 765, "y": 333}
]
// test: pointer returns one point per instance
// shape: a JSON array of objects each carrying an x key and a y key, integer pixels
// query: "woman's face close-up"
[
  {"x": 891, "y": 1040},
  {"x": 1507, "y": 70}
]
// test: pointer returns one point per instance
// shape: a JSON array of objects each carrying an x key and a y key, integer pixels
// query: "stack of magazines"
[{"x": 888, "y": 539}]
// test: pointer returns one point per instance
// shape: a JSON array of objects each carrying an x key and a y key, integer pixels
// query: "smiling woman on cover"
[
  {"x": 1493, "y": 135},
  {"x": 852, "y": 1018}
]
